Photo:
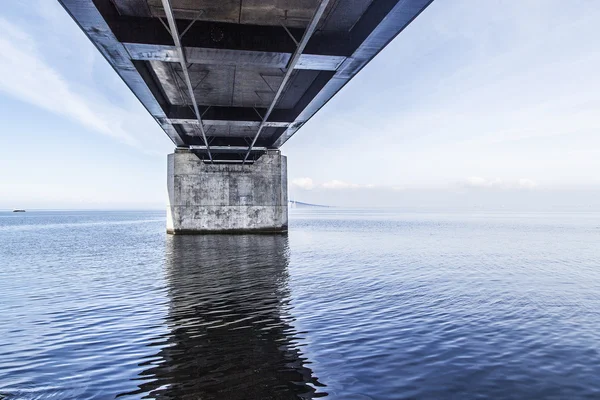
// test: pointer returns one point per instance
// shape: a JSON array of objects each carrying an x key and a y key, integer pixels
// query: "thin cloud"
[
  {"x": 476, "y": 182},
  {"x": 335, "y": 184},
  {"x": 473, "y": 182},
  {"x": 25, "y": 75},
  {"x": 303, "y": 183},
  {"x": 309, "y": 184}
]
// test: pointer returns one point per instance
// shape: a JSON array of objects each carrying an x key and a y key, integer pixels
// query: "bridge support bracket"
[{"x": 226, "y": 198}]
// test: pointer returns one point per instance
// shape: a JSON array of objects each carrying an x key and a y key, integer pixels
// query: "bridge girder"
[{"x": 236, "y": 66}]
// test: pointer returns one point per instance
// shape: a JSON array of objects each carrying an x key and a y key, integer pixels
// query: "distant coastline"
[{"x": 294, "y": 204}]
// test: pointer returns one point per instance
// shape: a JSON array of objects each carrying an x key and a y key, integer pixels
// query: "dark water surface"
[{"x": 349, "y": 305}]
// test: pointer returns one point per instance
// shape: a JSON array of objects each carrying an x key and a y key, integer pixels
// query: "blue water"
[{"x": 351, "y": 304}]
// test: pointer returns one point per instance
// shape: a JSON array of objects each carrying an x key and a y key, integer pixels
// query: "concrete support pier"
[{"x": 226, "y": 198}]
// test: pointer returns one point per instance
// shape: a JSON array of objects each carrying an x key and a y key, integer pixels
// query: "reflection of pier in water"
[{"x": 230, "y": 330}]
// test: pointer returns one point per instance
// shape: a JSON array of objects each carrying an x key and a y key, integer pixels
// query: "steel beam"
[
  {"x": 219, "y": 161},
  {"x": 92, "y": 22},
  {"x": 226, "y": 149},
  {"x": 381, "y": 22},
  {"x": 239, "y": 58},
  {"x": 133, "y": 31},
  {"x": 216, "y": 122},
  {"x": 224, "y": 139},
  {"x": 224, "y": 115},
  {"x": 312, "y": 26},
  {"x": 176, "y": 39}
]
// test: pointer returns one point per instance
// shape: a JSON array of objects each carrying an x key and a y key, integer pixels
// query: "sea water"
[{"x": 350, "y": 304}]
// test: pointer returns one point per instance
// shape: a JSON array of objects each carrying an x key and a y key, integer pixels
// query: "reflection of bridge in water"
[{"x": 231, "y": 334}]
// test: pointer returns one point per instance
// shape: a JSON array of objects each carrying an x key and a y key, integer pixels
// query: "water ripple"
[{"x": 352, "y": 305}]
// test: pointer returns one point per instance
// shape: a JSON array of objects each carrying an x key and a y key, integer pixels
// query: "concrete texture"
[{"x": 227, "y": 198}]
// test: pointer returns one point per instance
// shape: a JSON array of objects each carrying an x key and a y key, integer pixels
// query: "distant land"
[{"x": 299, "y": 204}]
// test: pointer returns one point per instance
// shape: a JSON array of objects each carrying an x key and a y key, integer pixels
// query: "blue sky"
[{"x": 476, "y": 103}]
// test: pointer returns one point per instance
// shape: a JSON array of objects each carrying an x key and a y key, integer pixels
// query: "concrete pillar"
[{"x": 227, "y": 198}]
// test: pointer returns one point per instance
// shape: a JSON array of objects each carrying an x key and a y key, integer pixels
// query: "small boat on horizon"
[{"x": 18, "y": 210}]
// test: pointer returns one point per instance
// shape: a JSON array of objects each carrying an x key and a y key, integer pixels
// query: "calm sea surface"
[{"x": 348, "y": 305}]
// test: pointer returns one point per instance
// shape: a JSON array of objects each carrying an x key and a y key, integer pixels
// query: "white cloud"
[
  {"x": 526, "y": 183},
  {"x": 473, "y": 182},
  {"x": 497, "y": 183},
  {"x": 309, "y": 184},
  {"x": 478, "y": 182},
  {"x": 303, "y": 183},
  {"x": 335, "y": 184}
]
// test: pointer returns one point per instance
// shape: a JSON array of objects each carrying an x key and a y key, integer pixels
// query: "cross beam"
[
  {"x": 220, "y": 115},
  {"x": 241, "y": 37},
  {"x": 312, "y": 26},
  {"x": 239, "y": 58}
]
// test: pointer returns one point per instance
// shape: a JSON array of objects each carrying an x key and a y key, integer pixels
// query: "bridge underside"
[{"x": 230, "y": 79}]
